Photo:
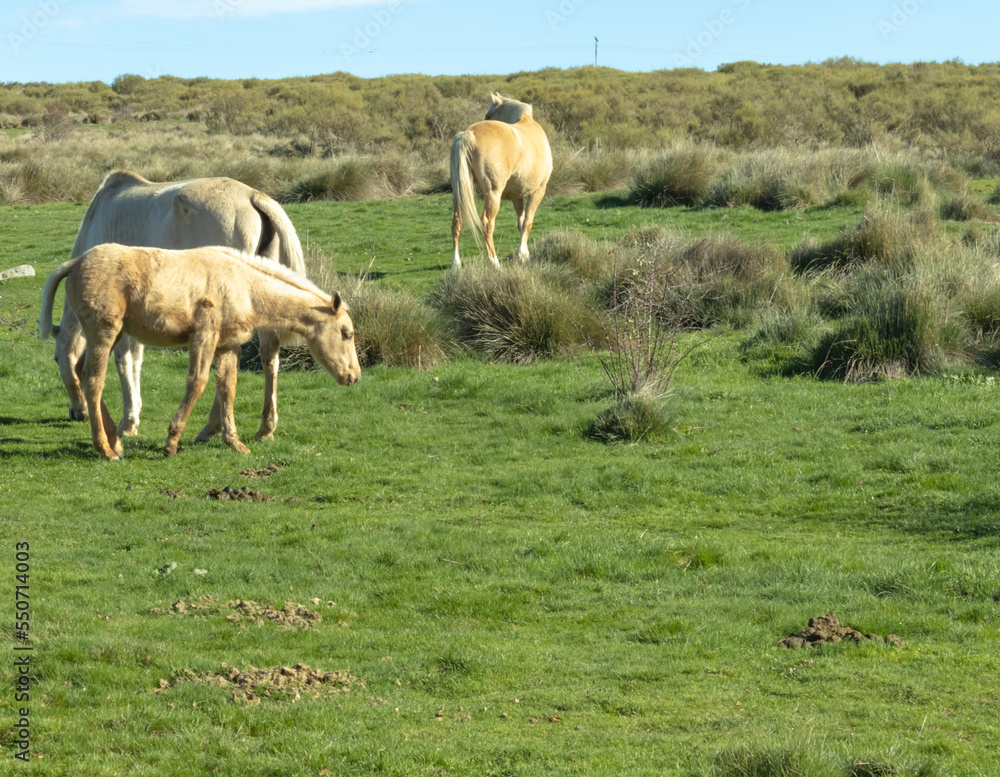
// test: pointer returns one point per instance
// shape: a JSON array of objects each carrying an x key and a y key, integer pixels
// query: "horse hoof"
[{"x": 128, "y": 431}]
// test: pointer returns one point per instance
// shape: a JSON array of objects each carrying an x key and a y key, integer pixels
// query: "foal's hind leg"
[
  {"x": 201, "y": 348},
  {"x": 269, "y": 357},
  {"x": 70, "y": 347}
]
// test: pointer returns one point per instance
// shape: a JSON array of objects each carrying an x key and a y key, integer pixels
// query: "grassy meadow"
[{"x": 443, "y": 569}]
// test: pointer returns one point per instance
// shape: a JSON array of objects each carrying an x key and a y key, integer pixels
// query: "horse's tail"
[
  {"x": 45, "y": 327},
  {"x": 462, "y": 186},
  {"x": 277, "y": 226}
]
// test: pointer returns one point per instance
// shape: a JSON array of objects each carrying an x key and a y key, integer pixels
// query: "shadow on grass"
[
  {"x": 9, "y": 421},
  {"x": 962, "y": 519},
  {"x": 611, "y": 201}
]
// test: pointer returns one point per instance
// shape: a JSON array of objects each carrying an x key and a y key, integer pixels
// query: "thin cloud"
[{"x": 201, "y": 9}]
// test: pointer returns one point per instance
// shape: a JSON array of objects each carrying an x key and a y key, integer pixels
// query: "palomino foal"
[{"x": 209, "y": 299}]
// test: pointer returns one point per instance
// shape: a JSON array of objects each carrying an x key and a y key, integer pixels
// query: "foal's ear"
[{"x": 338, "y": 304}]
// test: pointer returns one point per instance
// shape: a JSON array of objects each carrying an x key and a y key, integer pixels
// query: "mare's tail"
[{"x": 462, "y": 186}]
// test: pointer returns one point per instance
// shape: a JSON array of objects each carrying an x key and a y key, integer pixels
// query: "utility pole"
[{"x": 595, "y": 51}]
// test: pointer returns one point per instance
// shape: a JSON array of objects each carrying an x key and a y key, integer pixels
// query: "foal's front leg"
[
  {"x": 200, "y": 352},
  {"x": 92, "y": 370}
]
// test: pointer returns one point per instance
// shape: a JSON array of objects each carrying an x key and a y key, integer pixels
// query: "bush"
[
  {"x": 717, "y": 279},
  {"x": 393, "y": 328}
]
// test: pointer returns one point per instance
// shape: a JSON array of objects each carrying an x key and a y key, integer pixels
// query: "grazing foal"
[{"x": 209, "y": 299}]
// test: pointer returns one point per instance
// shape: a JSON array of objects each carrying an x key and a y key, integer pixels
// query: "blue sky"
[{"x": 85, "y": 40}]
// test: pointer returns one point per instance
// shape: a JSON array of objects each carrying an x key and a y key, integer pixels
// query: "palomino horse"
[
  {"x": 508, "y": 157},
  {"x": 209, "y": 299},
  {"x": 130, "y": 210}
]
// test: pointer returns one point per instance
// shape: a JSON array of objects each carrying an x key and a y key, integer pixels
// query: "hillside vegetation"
[{"x": 337, "y": 136}]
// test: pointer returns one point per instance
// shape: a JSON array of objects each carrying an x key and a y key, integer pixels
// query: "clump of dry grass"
[
  {"x": 682, "y": 176},
  {"x": 884, "y": 236},
  {"x": 515, "y": 314}
]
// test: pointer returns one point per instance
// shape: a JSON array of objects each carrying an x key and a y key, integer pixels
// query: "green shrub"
[
  {"x": 394, "y": 328},
  {"x": 349, "y": 180}
]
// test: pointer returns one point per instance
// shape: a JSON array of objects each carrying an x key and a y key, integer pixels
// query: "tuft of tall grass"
[
  {"x": 350, "y": 179},
  {"x": 769, "y": 180},
  {"x": 631, "y": 418},
  {"x": 394, "y": 328},
  {"x": 588, "y": 258},
  {"x": 391, "y": 327},
  {"x": 965, "y": 207},
  {"x": 679, "y": 177},
  {"x": 895, "y": 326},
  {"x": 512, "y": 315},
  {"x": 717, "y": 279},
  {"x": 884, "y": 237}
]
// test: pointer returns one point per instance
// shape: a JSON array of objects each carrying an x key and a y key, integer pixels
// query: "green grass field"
[{"x": 503, "y": 596}]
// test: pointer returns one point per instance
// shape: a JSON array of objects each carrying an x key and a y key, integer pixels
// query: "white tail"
[
  {"x": 45, "y": 328},
  {"x": 462, "y": 186}
]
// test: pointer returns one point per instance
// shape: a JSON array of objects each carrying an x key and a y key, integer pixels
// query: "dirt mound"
[
  {"x": 250, "y": 686},
  {"x": 260, "y": 473},
  {"x": 826, "y": 628},
  {"x": 241, "y": 494},
  {"x": 291, "y": 616}
]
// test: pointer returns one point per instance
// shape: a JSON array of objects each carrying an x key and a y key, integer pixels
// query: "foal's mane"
[
  {"x": 507, "y": 109},
  {"x": 275, "y": 270}
]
